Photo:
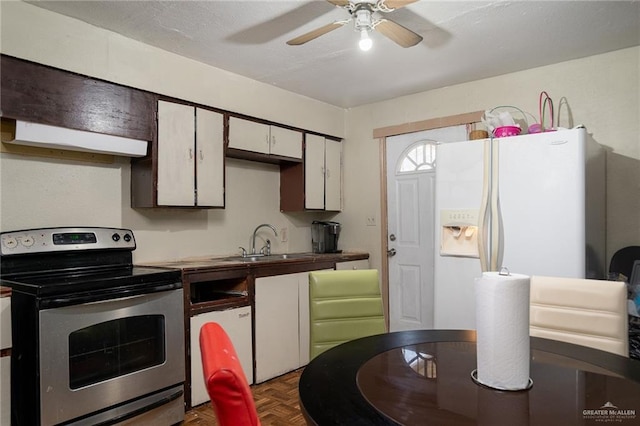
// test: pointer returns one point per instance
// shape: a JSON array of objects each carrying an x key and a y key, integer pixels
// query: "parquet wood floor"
[{"x": 277, "y": 404}]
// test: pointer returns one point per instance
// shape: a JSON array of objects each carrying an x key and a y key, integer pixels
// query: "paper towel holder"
[
  {"x": 504, "y": 271},
  {"x": 474, "y": 377}
]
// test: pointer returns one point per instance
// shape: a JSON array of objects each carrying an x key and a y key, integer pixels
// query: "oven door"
[{"x": 96, "y": 355}]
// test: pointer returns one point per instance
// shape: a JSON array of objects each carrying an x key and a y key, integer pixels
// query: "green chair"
[{"x": 343, "y": 305}]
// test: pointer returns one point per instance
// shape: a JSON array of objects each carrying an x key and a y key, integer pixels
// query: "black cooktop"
[{"x": 91, "y": 280}]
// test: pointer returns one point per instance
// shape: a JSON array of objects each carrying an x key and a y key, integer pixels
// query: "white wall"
[
  {"x": 602, "y": 92},
  {"x": 37, "y": 192}
]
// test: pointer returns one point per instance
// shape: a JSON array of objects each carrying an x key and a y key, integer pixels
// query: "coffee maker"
[{"x": 324, "y": 237}]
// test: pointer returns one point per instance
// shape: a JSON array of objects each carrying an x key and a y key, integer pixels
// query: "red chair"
[{"x": 226, "y": 383}]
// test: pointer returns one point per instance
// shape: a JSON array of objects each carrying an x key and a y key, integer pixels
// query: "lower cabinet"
[
  {"x": 352, "y": 265},
  {"x": 5, "y": 360},
  {"x": 5, "y": 390},
  {"x": 281, "y": 324},
  {"x": 277, "y": 325},
  {"x": 237, "y": 323}
]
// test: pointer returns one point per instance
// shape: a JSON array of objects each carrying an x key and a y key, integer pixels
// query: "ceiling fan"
[{"x": 362, "y": 13}]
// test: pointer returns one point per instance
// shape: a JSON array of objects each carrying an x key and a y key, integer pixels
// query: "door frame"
[{"x": 381, "y": 134}]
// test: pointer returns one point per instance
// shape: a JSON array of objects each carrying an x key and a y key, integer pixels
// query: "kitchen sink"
[{"x": 270, "y": 258}]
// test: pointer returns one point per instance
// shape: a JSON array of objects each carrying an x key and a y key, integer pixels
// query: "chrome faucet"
[{"x": 253, "y": 238}]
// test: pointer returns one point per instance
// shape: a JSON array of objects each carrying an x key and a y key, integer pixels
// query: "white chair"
[{"x": 584, "y": 312}]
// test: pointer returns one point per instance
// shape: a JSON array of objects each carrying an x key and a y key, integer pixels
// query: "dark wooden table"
[{"x": 424, "y": 378}]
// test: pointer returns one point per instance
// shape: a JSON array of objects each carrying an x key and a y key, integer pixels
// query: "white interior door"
[{"x": 411, "y": 225}]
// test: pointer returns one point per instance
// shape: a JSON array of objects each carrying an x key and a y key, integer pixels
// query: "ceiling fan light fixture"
[{"x": 365, "y": 42}]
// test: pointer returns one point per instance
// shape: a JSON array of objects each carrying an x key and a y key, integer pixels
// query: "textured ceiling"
[{"x": 463, "y": 40}]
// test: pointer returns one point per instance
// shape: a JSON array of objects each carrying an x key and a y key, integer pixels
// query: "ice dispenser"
[
  {"x": 459, "y": 233},
  {"x": 324, "y": 237}
]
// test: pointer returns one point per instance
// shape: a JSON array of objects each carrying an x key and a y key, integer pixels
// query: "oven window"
[{"x": 115, "y": 348}]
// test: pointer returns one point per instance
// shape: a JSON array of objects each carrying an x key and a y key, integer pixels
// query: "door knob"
[{"x": 391, "y": 252}]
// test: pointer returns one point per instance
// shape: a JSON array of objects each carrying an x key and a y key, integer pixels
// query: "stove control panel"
[{"x": 47, "y": 240}]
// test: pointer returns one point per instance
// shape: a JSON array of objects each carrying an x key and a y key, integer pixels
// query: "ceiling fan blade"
[
  {"x": 397, "y": 4},
  {"x": 316, "y": 33},
  {"x": 396, "y": 32},
  {"x": 340, "y": 3}
]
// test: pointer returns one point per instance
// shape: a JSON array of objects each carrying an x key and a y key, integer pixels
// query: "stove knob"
[
  {"x": 127, "y": 237},
  {"x": 10, "y": 242},
  {"x": 115, "y": 237},
  {"x": 27, "y": 241}
]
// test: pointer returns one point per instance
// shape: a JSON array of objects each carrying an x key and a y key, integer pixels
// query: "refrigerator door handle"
[
  {"x": 484, "y": 207},
  {"x": 494, "y": 242}
]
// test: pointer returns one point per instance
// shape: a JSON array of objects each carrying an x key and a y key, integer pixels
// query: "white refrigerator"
[{"x": 534, "y": 204}]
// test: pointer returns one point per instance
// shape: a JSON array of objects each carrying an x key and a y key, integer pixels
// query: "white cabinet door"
[
  {"x": 176, "y": 179},
  {"x": 5, "y": 323},
  {"x": 303, "y": 318},
  {"x": 5, "y": 390},
  {"x": 314, "y": 172},
  {"x": 248, "y": 135},
  {"x": 285, "y": 142},
  {"x": 353, "y": 265},
  {"x": 333, "y": 175},
  {"x": 276, "y": 326},
  {"x": 209, "y": 158},
  {"x": 237, "y": 323},
  {"x": 323, "y": 174},
  {"x": 5, "y": 361},
  {"x": 262, "y": 138}
]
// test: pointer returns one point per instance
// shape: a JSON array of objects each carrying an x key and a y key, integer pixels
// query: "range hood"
[{"x": 45, "y": 136}]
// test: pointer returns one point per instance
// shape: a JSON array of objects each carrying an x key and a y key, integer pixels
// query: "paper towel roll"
[{"x": 502, "y": 321}]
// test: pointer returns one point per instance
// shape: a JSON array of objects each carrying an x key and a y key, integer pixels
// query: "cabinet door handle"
[
  {"x": 190, "y": 154},
  {"x": 322, "y": 171},
  {"x": 273, "y": 140},
  {"x": 328, "y": 173},
  {"x": 201, "y": 155}
]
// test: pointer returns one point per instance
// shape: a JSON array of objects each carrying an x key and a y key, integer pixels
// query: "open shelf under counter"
[{"x": 217, "y": 290}]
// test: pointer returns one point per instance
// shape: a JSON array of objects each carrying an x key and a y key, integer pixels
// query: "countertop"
[
  {"x": 236, "y": 262},
  {"x": 211, "y": 263}
]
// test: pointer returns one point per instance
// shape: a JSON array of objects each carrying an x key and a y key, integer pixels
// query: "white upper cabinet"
[
  {"x": 323, "y": 174},
  {"x": 333, "y": 175},
  {"x": 248, "y": 135},
  {"x": 190, "y": 156},
  {"x": 176, "y": 180},
  {"x": 314, "y": 172},
  {"x": 209, "y": 158},
  {"x": 265, "y": 139},
  {"x": 285, "y": 142}
]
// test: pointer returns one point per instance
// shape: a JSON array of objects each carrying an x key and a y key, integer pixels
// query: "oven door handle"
[
  {"x": 156, "y": 404},
  {"x": 107, "y": 296}
]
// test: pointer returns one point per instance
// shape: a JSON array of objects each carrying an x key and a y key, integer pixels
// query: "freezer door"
[
  {"x": 542, "y": 203},
  {"x": 459, "y": 177}
]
